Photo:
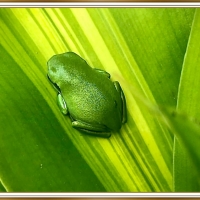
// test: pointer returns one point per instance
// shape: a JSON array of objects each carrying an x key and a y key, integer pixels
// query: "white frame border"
[
  {"x": 98, "y": 4},
  {"x": 100, "y": 195}
]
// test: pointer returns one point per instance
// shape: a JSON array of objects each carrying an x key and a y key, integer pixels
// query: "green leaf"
[
  {"x": 2, "y": 189},
  {"x": 157, "y": 39},
  {"x": 141, "y": 48},
  {"x": 186, "y": 156},
  {"x": 185, "y": 175}
]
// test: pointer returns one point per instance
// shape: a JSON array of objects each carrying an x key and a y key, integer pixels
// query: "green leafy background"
[{"x": 152, "y": 52}]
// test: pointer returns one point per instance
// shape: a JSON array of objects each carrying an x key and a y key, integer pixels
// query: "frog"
[{"x": 95, "y": 104}]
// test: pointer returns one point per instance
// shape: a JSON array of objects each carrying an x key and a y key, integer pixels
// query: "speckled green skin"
[{"x": 95, "y": 104}]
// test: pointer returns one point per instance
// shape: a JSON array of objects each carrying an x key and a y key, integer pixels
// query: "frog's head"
[
  {"x": 59, "y": 66},
  {"x": 57, "y": 70}
]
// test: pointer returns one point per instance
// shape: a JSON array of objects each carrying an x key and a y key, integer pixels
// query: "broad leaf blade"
[
  {"x": 36, "y": 154},
  {"x": 139, "y": 157},
  {"x": 2, "y": 188}
]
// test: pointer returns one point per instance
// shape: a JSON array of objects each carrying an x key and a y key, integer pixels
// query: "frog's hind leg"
[
  {"x": 94, "y": 129},
  {"x": 102, "y": 72},
  {"x": 119, "y": 89}
]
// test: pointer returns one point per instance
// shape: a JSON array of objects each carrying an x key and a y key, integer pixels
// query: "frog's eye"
[
  {"x": 54, "y": 84},
  {"x": 115, "y": 103},
  {"x": 56, "y": 87}
]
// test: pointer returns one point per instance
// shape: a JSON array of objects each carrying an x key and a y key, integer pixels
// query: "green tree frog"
[{"x": 95, "y": 104}]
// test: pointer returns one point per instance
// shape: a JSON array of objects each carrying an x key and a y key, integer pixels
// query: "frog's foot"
[
  {"x": 119, "y": 89},
  {"x": 92, "y": 129},
  {"x": 102, "y": 72},
  {"x": 62, "y": 104}
]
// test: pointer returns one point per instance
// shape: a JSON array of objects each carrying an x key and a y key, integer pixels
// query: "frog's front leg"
[
  {"x": 92, "y": 129},
  {"x": 102, "y": 72},
  {"x": 119, "y": 89},
  {"x": 62, "y": 104}
]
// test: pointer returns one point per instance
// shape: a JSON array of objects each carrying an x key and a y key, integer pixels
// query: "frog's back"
[{"x": 94, "y": 100}]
